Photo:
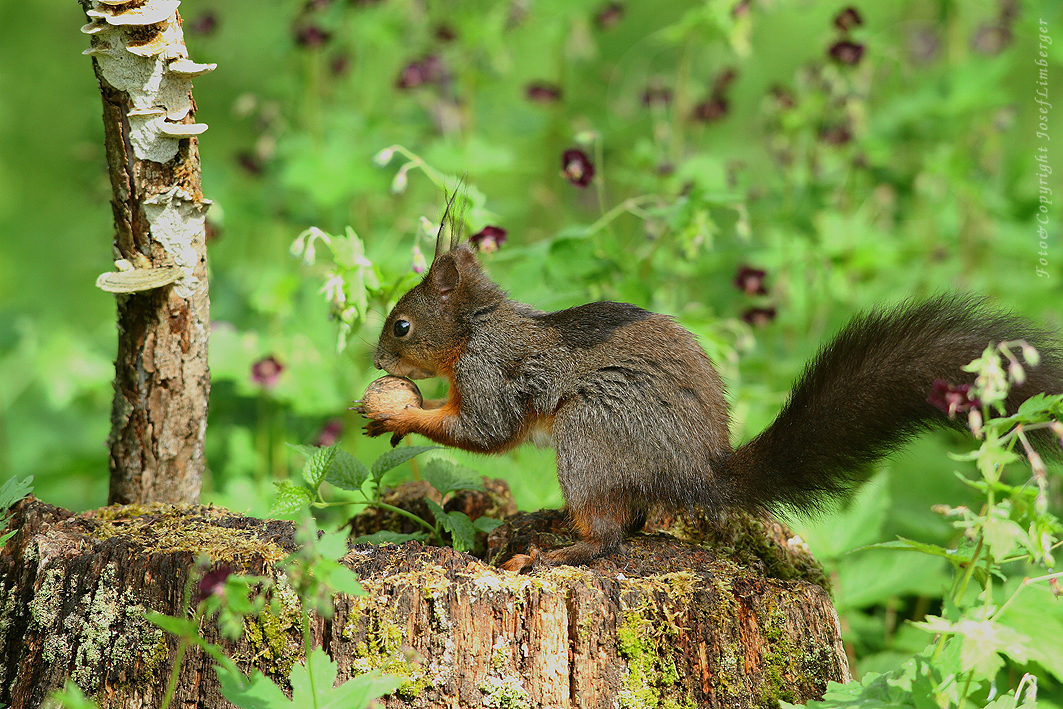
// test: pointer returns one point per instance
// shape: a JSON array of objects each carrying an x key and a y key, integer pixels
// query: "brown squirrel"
[{"x": 637, "y": 411}]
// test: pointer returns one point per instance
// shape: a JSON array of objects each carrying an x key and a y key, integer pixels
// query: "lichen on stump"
[{"x": 667, "y": 622}]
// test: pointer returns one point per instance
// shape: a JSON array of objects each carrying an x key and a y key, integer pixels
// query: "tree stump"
[{"x": 744, "y": 622}]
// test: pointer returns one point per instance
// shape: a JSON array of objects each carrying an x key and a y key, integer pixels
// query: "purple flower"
[
  {"x": 723, "y": 82},
  {"x": 543, "y": 92},
  {"x": 846, "y": 52},
  {"x": 250, "y": 162},
  {"x": 759, "y": 317},
  {"x": 836, "y": 135},
  {"x": 311, "y": 36},
  {"x": 340, "y": 65},
  {"x": 783, "y": 98},
  {"x": 576, "y": 167},
  {"x": 446, "y": 33},
  {"x": 265, "y": 372},
  {"x": 610, "y": 15},
  {"x": 848, "y": 19},
  {"x": 427, "y": 70},
  {"x": 712, "y": 110},
  {"x": 751, "y": 281},
  {"x": 330, "y": 433},
  {"x": 952, "y": 398},
  {"x": 204, "y": 25},
  {"x": 212, "y": 583},
  {"x": 489, "y": 238},
  {"x": 656, "y": 96},
  {"x": 991, "y": 39}
]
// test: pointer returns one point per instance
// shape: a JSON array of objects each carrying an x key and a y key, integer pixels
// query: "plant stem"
[
  {"x": 404, "y": 513},
  {"x": 171, "y": 686}
]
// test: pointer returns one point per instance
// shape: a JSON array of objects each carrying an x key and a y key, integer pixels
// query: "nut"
[{"x": 389, "y": 394}]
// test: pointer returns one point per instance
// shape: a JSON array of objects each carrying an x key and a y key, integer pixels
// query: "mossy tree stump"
[{"x": 741, "y": 623}]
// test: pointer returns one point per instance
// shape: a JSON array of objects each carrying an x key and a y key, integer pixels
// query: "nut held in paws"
[{"x": 390, "y": 394}]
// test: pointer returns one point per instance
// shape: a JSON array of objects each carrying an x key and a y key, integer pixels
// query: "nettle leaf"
[
  {"x": 290, "y": 498},
  {"x": 342, "y": 579},
  {"x": 355, "y": 692},
  {"x": 347, "y": 472},
  {"x": 982, "y": 643},
  {"x": 361, "y": 690},
  {"x": 486, "y": 524},
  {"x": 462, "y": 531},
  {"x": 14, "y": 490},
  {"x": 317, "y": 466},
  {"x": 331, "y": 545},
  {"x": 307, "y": 693},
  {"x": 396, "y": 457},
  {"x": 447, "y": 476},
  {"x": 307, "y": 451},
  {"x": 1003, "y": 536},
  {"x": 254, "y": 692}
]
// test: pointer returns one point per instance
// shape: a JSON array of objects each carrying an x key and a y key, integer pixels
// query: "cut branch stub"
[{"x": 162, "y": 382}]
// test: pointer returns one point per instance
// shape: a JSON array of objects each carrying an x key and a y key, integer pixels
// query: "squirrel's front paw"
[{"x": 379, "y": 425}]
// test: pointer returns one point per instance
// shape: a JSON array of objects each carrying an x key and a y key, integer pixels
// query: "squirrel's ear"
[{"x": 445, "y": 276}]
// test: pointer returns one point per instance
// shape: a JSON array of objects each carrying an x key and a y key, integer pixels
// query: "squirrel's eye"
[{"x": 401, "y": 328}]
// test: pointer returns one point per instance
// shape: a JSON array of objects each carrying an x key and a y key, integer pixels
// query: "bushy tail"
[{"x": 865, "y": 394}]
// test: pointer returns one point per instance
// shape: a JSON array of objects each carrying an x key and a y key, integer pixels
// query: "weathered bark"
[
  {"x": 159, "y": 415},
  {"x": 665, "y": 623}
]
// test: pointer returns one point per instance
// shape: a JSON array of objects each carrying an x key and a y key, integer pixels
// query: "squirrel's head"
[{"x": 427, "y": 329}]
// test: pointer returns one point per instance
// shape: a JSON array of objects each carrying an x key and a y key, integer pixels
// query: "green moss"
[
  {"x": 648, "y": 647},
  {"x": 167, "y": 529},
  {"x": 382, "y": 646},
  {"x": 275, "y": 634}
]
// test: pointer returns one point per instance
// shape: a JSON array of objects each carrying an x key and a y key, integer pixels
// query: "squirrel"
[{"x": 637, "y": 412}]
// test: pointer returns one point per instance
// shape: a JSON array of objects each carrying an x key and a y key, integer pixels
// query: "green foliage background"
[{"x": 911, "y": 172}]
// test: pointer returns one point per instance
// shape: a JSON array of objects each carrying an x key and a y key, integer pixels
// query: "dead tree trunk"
[
  {"x": 159, "y": 415},
  {"x": 742, "y": 623}
]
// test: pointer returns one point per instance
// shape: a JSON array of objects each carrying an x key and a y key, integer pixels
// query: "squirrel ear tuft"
[{"x": 448, "y": 220}]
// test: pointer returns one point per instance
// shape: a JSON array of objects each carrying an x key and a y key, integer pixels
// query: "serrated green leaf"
[
  {"x": 1003, "y": 536},
  {"x": 361, "y": 690},
  {"x": 255, "y": 692},
  {"x": 318, "y": 465},
  {"x": 982, "y": 643},
  {"x": 14, "y": 490},
  {"x": 447, "y": 476},
  {"x": 388, "y": 537},
  {"x": 181, "y": 627},
  {"x": 347, "y": 472},
  {"x": 1038, "y": 614},
  {"x": 462, "y": 532},
  {"x": 290, "y": 498},
  {"x": 71, "y": 697},
  {"x": 306, "y": 451},
  {"x": 323, "y": 670},
  {"x": 342, "y": 579},
  {"x": 436, "y": 509},
  {"x": 486, "y": 524},
  {"x": 396, "y": 457}
]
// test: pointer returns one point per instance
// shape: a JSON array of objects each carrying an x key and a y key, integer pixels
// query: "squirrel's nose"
[{"x": 376, "y": 361}]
